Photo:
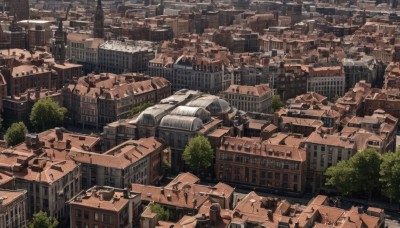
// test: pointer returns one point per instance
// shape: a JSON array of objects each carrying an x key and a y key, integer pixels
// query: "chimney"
[
  {"x": 68, "y": 144},
  {"x": 37, "y": 93},
  {"x": 215, "y": 213},
  {"x": 59, "y": 134}
]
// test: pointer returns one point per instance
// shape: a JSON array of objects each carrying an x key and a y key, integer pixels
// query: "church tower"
[
  {"x": 98, "y": 31},
  {"x": 59, "y": 51}
]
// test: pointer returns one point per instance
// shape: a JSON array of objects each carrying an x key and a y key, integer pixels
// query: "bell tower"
[{"x": 98, "y": 30}]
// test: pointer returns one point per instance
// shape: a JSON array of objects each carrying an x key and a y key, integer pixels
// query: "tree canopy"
[
  {"x": 41, "y": 219},
  {"x": 198, "y": 154},
  {"x": 47, "y": 114},
  {"x": 358, "y": 174},
  {"x": 277, "y": 103},
  {"x": 15, "y": 134},
  {"x": 164, "y": 214},
  {"x": 340, "y": 176},
  {"x": 140, "y": 108},
  {"x": 390, "y": 175}
]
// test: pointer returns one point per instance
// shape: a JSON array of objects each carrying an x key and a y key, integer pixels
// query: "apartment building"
[
  {"x": 21, "y": 78},
  {"x": 39, "y": 32},
  {"x": 96, "y": 100},
  {"x": 329, "y": 81},
  {"x": 249, "y": 98},
  {"x": 385, "y": 99},
  {"x": 324, "y": 151},
  {"x": 336, "y": 217},
  {"x": 84, "y": 50},
  {"x": 199, "y": 73},
  {"x": 18, "y": 108},
  {"x": 251, "y": 162},
  {"x": 104, "y": 207},
  {"x": 18, "y": 7},
  {"x": 50, "y": 183},
  {"x": 66, "y": 73},
  {"x": 6, "y": 181},
  {"x": 130, "y": 162},
  {"x": 291, "y": 80},
  {"x": 184, "y": 195},
  {"x": 13, "y": 205},
  {"x": 129, "y": 56},
  {"x": 364, "y": 69},
  {"x": 353, "y": 101}
]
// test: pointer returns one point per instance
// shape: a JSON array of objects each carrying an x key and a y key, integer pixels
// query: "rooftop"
[{"x": 103, "y": 198}]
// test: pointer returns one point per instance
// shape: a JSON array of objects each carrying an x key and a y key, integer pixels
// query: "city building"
[
  {"x": 251, "y": 162},
  {"x": 39, "y": 32},
  {"x": 311, "y": 216},
  {"x": 364, "y": 69},
  {"x": 83, "y": 49},
  {"x": 249, "y": 98},
  {"x": 130, "y": 162},
  {"x": 291, "y": 80},
  {"x": 96, "y": 100},
  {"x": 184, "y": 195},
  {"x": 125, "y": 56},
  {"x": 353, "y": 101},
  {"x": 388, "y": 100},
  {"x": 18, "y": 108},
  {"x": 50, "y": 183},
  {"x": 328, "y": 81},
  {"x": 324, "y": 151},
  {"x": 15, "y": 35},
  {"x": 104, "y": 207},
  {"x": 13, "y": 205},
  {"x": 18, "y": 8}
]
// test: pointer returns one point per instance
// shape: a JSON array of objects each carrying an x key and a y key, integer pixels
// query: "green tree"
[
  {"x": 41, "y": 220},
  {"x": 390, "y": 175},
  {"x": 336, "y": 98},
  {"x": 47, "y": 114},
  {"x": 277, "y": 103},
  {"x": 164, "y": 214},
  {"x": 15, "y": 134},
  {"x": 140, "y": 108},
  {"x": 358, "y": 174},
  {"x": 341, "y": 177},
  {"x": 366, "y": 166},
  {"x": 198, "y": 154}
]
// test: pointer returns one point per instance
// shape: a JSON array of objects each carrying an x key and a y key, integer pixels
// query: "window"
[
  {"x": 86, "y": 214},
  {"x": 78, "y": 213}
]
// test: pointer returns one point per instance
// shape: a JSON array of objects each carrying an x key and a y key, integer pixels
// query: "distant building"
[
  {"x": 13, "y": 206},
  {"x": 96, "y": 100},
  {"x": 84, "y": 50},
  {"x": 104, "y": 207},
  {"x": 365, "y": 69},
  {"x": 291, "y": 80},
  {"x": 18, "y": 8},
  {"x": 39, "y": 32},
  {"x": 129, "y": 56},
  {"x": 328, "y": 81},
  {"x": 249, "y": 98}
]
